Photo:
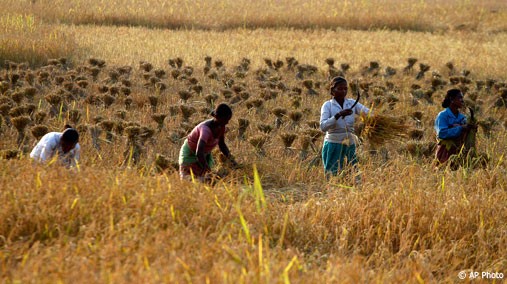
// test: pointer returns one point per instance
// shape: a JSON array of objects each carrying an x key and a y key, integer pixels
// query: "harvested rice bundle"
[
  {"x": 9, "y": 154},
  {"x": 159, "y": 119},
  {"x": 258, "y": 141},
  {"x": 265, "y": 128},
  {"x": 38, "y": 131},
  {"x": 288, "y": 139},
  {"x": 381, "y": 128},
  {"x": 20, "y": 124},
  {"x": 242, "y": 127},
  {"x": 163, "y": 163},
  {"x": 108, "y": 126},
  {"x": 421, "y": 149}
]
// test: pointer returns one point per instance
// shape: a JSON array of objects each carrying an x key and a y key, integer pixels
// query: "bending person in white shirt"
[
  {"x": 337, "y": 120},
  {"x": 63, "y": 144}
]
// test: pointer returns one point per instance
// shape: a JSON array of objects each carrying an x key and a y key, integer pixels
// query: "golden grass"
[
  {"x": 485, "y": 15},
  {"x": 126, "y": 226},
  {"x": 25, "y": 39},
  {"x": 482, "y": 53},
  {"x": 110, "y": 223}
]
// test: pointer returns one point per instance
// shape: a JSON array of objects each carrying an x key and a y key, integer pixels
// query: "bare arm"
[
  {"x": 225, "y": 150},
  {"x": 201, "y": 156},
  {"x": 223, "y": 147}
]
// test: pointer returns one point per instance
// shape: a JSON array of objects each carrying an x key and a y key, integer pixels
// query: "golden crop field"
[{"x": 134, "y": 77}]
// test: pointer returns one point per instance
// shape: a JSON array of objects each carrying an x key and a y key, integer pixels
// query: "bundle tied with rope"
[
  {"x": 468, "y": 156},
  {"x": 378, "y": 129},
  {"x": 470, "y": 138}
]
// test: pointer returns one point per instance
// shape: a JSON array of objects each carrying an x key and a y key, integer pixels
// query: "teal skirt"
[
  {"x": 189, "y": 163},
  {"x": 335, "y": 156}
]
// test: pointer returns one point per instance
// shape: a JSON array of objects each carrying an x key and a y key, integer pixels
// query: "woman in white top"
[
  {"x": 337, "y": 120},
  {"x": 62, "y": 144}
]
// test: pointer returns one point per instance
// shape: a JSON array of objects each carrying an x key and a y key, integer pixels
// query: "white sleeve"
[
  {"x": 44, "y": 150},
  {"x": 47, "y": 150},
  {"x": 35, "y": 152},
  {"x": 327, "y": 119},
  {"x": 359, "y": 108}
]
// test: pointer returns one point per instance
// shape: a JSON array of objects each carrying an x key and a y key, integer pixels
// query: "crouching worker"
[
  {"x": 195, "y": 155},
  {"x": 64, "y": 145},
  {"x": 452, "y": 129}
]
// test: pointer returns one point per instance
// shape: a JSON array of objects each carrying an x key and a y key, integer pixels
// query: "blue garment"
[
  {"x": 334, "y": 154},
  {"x": 444, "y": 124}
]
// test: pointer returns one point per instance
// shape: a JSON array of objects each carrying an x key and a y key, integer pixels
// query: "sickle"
[
  {"x": 471, "y": 114},
  {"x": 357, "y": 99}
]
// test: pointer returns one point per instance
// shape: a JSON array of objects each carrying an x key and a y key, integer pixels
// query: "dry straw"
[
  {"x": 411, "y": 62},
  {"x": 295, "y": 116},
  {"x": 18, "y": 111},
  {"x": 40, "y": 116},
  {"x": 421, "y": 149},
  {"x": 159, "y": 119},
  {"x": 187, "y": 111},
  {"x": 184, "y": 95},
  {"x": 265, "y": 128},
  {"x": 258, "y": 141},
  {"x": 9, "y": 154},
  {"x": 108, "y": 100},
  {"x": 74, "y": 116},
  {"x": 39, "y": 130},
  {"x": 20, "y": 123},
  {"x": 18, "y": 97},
  {"x": 305, "y": 141},
  {"x": 314, "y": 134},
  {"x": 288, "y": 139},
  {"x": 108, "y": 126},
  {"x": 163, "y": 163},
  {"x": 242, "y": 127},
  {"x": 153, "y": 100},
  {"x": 132, "y": 153},
  {"x": 279, "y": 112},
  {"x": 379, "y": 129}
]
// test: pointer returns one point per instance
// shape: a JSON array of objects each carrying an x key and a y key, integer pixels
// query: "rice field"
[{"x": 134, "y": 77}]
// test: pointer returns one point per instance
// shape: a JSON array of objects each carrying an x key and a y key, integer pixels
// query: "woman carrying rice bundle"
[
  {"x": 337, "y": 121},
  {"x": 195, "y": 155},
  {"x": 451, "y": 127}
]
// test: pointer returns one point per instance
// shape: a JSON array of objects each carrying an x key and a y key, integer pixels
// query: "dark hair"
[
  {"x": 70, "y": 135},
  {"x": 337, "y": 80},
  {"x": 451, "y": 95},
  {"x": 222, "y": 111}
]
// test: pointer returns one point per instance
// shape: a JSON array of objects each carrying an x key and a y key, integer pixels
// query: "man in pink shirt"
[{"x": 195, "y": 154}]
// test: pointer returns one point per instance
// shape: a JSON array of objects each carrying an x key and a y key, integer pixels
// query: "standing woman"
[
  {"x": 195, "y": 154},
  {"x": 337, "y": 121},
  {"x": 64, "y": 145},
  {"x": 451, "y": 126}
]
